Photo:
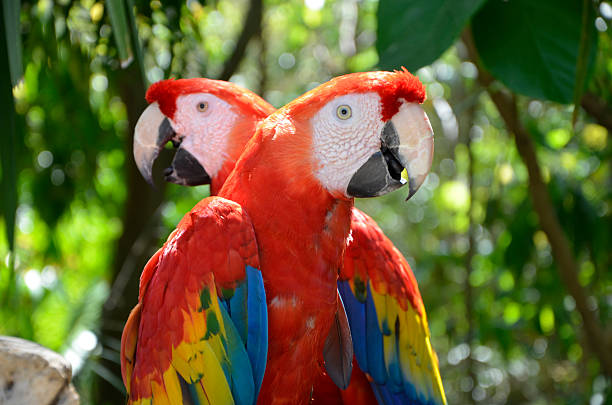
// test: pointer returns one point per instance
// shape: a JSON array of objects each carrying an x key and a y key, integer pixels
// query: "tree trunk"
[{"x": 138, "y": 242}]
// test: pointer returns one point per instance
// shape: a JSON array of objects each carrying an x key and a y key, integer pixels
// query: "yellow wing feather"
[
  {"x": 418, "y": 361},
  {"x": 184, "y": 348},
  {"x": 213, "y": 379}
]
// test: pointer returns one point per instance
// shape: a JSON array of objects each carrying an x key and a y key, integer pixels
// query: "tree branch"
[
  {"x": 598, "y": 109},
  {"x": 261, "y": 62},
  {"x": 469, "y": 256},
  {"x": 132, "y": 251},
  {"x": 252, "y": 24},
  {"x": 544, "y": 208}
]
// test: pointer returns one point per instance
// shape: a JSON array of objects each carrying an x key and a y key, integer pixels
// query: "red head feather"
[
  {"x": 391, "y": 86},
  {"x": 166, "y": 92},
  {"x": 251, "y": 110}
]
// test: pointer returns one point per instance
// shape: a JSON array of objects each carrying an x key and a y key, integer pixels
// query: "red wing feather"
[{"x": 179, "y": 332}]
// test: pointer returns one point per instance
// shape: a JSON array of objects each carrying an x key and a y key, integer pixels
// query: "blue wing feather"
[
  {"x": 226, "y": 305},
  {"x": 389, "y": 384},
  {"x": 189, "y": 391},
  {"x": 355, "y": 312},
  {"x": 411, "y": 391},
  {"x": 257, "y": 332},
  {"x": 242, "y": 383},
  {"x": 394, "y": 371},
  {"x": 245, "y": 316},
  {"x": 238, "y": 309},
  {"x": 374, "y": 347},
  {"x": 379, "y": 395},
  {"x": 382, "y": 393},
  {"x": 207, "y": 344}
]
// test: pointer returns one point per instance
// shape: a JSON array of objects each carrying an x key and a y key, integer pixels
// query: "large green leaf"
[
  {"x": 415, "y": 33},
  {"x": 532, "y": 46},
  {"x": 10, "y": 20},
  {"x": 121, "y": 30},
  {"x": 10, "y": 66},
  {"x": 136, "y": 42},
  {"x": 586, "y": 32}
]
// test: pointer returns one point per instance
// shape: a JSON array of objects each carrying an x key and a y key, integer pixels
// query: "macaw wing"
[
  {"x": 387, "y": 319},
  {"x": 199, "y": 334}
]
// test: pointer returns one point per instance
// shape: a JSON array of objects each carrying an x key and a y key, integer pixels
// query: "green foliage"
[
  {"x": 471, "y": 227},
  {"x": 12, "y": 38},
  {"x": 531, "y": 47},
  {"x": 121, "y": 30},
  {"x": 415, "y": 33},
  {"x": 10, "y": 72},
  {"x": 587, "y": 34},
  {"x": 539, "y": 59}
]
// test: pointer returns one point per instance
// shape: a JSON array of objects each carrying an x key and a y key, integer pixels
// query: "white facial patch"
[
  {"x": 204, "y": 121},
  {"x": 344, "y": 140}
]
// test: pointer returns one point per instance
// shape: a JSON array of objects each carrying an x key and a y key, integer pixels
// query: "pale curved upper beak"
[
  {"x": 153, "y": 130},
  {"x": 416, "y": 143},
  {"x": 404, "y": 157}
]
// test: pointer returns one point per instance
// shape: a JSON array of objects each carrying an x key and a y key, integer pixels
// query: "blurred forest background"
[{"x": 509, "y": 238}]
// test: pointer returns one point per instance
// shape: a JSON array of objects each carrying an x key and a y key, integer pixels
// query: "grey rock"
[{"x": 33, "y": 374}]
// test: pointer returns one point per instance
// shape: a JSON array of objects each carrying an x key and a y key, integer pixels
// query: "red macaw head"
[
  {"x": 209, "y": 121},
  {"x": 366, "y": 133}
]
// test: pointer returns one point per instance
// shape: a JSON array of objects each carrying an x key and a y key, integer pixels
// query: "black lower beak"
[
  {"x": 405, "y": 155},
  {"x": 394, "y": 166},
  {"x": 382, "y": 172},
  {"x": 186, "y": 170}
]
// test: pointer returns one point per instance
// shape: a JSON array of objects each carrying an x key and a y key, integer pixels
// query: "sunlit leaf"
[
  {"x": 539, "y": 59},
  {"x": 134, "y": 29},
  {"x": 586, "y": 32},
  {"x": 586, "y": 273},
  {"x": 121, "y": 30},
  {"x": 558, "y": 138},
  {"x": 547, "y": 320},
  {"x": 540, "y": 240},
  {"x": 455, "y": 196},
  {"x": 506, "y": 281},
  {"x": 505, "y": 173},
  {"x": 12, "y": 32},
  {"x": 10, "y": 66},
  {"x": 575, "y": 352},
  {"x": 415, "y": 33},
  {"x": 96, "y": 12},
  {"x": 595, "y": 136},
  {"x": 512, "y": 313}
]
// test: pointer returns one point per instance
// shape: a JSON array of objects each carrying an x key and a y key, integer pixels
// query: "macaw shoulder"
[
  {"x": 387, "y": 318},
  {"x": 216, "y": 230},
  {"x": 370, "y": 255},
  {"x": 205, "y": 288}
]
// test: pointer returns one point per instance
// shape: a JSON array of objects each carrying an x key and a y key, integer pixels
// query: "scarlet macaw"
[
  {"x": 370, "y": 254},
  {"x": 376, "y": 103}
]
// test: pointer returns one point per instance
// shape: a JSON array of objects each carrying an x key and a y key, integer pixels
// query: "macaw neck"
[
  {"x": 238, "y": 138},
  {"x": 301, "y": 231},
  {"x": 301, "y": 228},
  {"x": 221, "y": 177}
]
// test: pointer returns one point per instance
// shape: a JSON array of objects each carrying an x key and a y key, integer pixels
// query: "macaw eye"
[
  {"x": 202, "y": 106},
  {"x": 344, "y": 112}
]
